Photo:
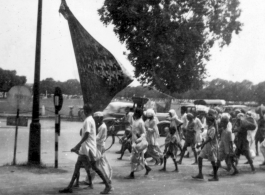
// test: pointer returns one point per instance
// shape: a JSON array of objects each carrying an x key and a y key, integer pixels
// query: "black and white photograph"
[{"x": 132, "y": 97}]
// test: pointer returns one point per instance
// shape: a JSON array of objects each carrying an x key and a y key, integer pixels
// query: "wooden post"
[
  {"x": 57, "y": 131},
  {"x": 15, "y": 144}
]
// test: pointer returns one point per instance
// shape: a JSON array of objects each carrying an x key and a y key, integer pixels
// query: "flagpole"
[{"x": 35, "y": 127}]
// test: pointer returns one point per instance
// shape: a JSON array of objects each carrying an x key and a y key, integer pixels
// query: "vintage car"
[
  {"x": 232, "y": 108},
  {"x": 211, "y": 102},
  {"x": 116, "y": 109}
]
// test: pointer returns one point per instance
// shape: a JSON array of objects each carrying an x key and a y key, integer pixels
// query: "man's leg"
[
  {"x": 250, "y": 161},
  {"x": 200, "y": 175},
  {"x": 131, "y": 176},
  {"x": 256, "y": 147},
  {"x": 122, "y": 150},
  {"x": 129, "y": 145},
  {"x": 87, "y": 167},
  {"x": 228, "y": 163},
  {"x": 262, "y": 150},
  {"x": 122, "y": 147},
  {"x": 165, "y": 164},
  {"x": 180, "y": 147},
  {"x": 77, "y": 180},
  {"x": 147, "y": 169},
  {"x": 68, "y": 189},
  {"x": 195, "y": 155},
  {"x": 108, "y": 187},
  {"x": 187, "y": 154},
  {"x": 182, "y": 153},
  {"x": 215, "y": 169},
  {"x": 234, "y": 163},
  {"x": 122, "y": 139},
  {"x": 176, "y": 165}
]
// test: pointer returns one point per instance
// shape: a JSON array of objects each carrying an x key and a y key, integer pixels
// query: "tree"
[
  {"x": 223, "y": 89},
  {"x": 71, "y": 87},
  {"x": 47, "y": 85},
  {"x": 8, "y": 79},
  {"x": 259, "y": 93},
  {"x": 169, "y": 40}
]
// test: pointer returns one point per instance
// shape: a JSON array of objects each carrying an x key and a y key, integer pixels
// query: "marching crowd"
[{"x": 212, "y": 135}]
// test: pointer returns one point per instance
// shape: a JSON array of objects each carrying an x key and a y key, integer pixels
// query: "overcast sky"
[{"x": 243, "y": 59}]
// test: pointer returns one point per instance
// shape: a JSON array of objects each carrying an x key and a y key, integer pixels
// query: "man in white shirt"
[
  {"x": 102, "y": 132},
  {"x": 102, "y": 162},
  {"x": 87, "y": 147}
]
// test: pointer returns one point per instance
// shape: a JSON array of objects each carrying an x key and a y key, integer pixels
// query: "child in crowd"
[{"x": 171, "y": 147}]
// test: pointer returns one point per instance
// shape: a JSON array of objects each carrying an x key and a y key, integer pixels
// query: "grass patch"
[{"x": 34, "y": 168}]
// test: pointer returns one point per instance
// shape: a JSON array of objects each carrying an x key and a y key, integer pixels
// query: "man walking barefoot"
[{"x": 88, "y": 147}]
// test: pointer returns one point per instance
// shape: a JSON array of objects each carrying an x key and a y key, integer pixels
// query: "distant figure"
[
  {"x": 71, "y": 113},
  {"x": 81, "y": 115}
]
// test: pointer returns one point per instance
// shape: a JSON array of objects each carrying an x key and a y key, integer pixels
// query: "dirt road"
[{"x": 17, "y": 180}]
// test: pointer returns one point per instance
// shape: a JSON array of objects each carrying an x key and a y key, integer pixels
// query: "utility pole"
[
  {"x": 35, "y": 127},
  {"x": 58, "y": 102}
]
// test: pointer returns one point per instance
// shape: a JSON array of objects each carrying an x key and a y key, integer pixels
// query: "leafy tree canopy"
[
  {"x": 69, "y": 87},
  {"x": 244, "y": 91},
  {"x": 259, "y": 92},
  {"x": 9, "y": 78},
  {"x": 169, "y": 40}
]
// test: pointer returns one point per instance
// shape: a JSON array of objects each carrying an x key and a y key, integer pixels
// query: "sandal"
[
  {"x": 107, "y": 190},
  {"x": 66, "y": 190}
]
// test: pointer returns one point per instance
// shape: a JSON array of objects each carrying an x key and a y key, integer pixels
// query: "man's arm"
[
  {"x": 230, "y": 139},
  {"x": 100, "y": 134},
  {"x": 178, "y": 121},
  {"x": 77, "y": 147},
  {"x": 230, "y": 147},
  {"x": 200, "y": 125},
  {"x": 204, "y": 143},
  {"x": 166, "y": 146},
  {"x": 210, "y": 138}
]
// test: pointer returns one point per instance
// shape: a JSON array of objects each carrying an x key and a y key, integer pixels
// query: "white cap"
[
  {"x": 98, "y": 114},
  {"x": 150, "y": 112}
]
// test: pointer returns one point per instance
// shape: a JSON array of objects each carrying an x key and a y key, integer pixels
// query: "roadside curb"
[{"x": 50, "y": 117}]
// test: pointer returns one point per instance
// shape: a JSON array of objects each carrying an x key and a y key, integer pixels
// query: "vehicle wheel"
[
  {"x": 110, "y": 140},
  {"x": 161, "y": 127}
]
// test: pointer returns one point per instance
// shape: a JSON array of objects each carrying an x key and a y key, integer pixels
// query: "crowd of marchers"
[{"x": 213, "y": 135}]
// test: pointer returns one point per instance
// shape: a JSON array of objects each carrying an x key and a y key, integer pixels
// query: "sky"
[{"x": 243, "y": 59}]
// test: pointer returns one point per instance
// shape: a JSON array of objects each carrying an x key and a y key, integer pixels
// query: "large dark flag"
[{"x": 101, "y": 75}]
